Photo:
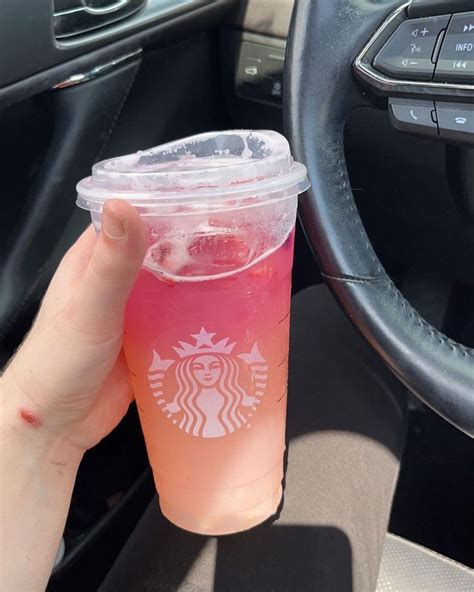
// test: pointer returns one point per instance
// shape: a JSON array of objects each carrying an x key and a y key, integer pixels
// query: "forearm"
[
  {"x": 37, "y": 473},
  {"x": 66, "y": 388}
]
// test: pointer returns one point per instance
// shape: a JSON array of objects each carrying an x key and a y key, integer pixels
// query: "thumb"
[{"x": 109, "y": 277}]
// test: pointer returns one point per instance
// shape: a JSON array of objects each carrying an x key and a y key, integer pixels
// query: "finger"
[
  {"x": 116, "y": 258},
  {"x": 117, "y": 388},
  {"x": 113, "y": 399}
]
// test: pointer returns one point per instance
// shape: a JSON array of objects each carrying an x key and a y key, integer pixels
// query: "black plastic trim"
[
  {"x": 28, "y": 46},
  {"x": 162, "y": 33},
  {"x": 419, "y": 8},
  {"x": 83, "y": 19}
]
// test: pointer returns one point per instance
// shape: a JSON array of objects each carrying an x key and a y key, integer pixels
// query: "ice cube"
[{"x": 168, "y": 256}]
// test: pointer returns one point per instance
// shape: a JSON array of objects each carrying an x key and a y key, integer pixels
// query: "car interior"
[{"x": 376, "y": 97}]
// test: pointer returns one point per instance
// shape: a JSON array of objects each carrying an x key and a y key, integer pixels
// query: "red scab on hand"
[{"x": 29, "y": 418}]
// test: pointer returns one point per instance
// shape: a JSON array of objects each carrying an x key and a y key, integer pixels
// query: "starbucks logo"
[{"x": 209, "y": 400}]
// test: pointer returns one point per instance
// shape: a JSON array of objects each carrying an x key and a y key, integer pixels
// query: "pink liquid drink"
[{"x": 207, "y": 322}]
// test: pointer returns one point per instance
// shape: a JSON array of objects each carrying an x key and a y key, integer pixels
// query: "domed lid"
[{"x": 230, "y": 164}]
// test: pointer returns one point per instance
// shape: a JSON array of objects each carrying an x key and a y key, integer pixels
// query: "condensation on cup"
[{"x": 207, "y": 323}]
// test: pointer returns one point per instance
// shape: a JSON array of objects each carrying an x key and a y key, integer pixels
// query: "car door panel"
[{"x": 84, "y": 116}]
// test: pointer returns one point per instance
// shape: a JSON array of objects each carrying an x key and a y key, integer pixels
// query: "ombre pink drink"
[{"x": 207, "y": 323}]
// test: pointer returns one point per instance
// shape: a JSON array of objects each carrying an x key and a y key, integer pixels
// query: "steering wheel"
[{"x": 320, "y": 92}]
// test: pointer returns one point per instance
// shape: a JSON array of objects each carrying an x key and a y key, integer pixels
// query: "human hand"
[{"x": 69, "y": 378}]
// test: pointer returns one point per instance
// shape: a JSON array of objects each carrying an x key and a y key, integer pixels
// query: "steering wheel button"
[
  {"x": 456, "y": 121},
  {"x": 413, "y": 116},
  {"x": 456, "y": 60},
  {"x": 408, "y": 53}
]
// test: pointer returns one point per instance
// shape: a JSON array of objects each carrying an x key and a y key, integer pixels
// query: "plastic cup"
[{"x": 207, "y": 323}]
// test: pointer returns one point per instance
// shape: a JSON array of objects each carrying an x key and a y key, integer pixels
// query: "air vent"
[{"x": 74, "y": 17}]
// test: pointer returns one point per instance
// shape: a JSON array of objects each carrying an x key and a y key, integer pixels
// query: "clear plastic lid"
[{"x": 215, "y": 167}]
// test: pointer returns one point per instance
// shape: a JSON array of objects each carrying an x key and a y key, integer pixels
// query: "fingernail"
[{"x": 113, "y": 226}]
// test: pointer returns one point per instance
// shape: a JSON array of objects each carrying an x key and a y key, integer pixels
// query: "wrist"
[
  {"x": 37, "y": 472},
  {"x": 24, "y": 427}
]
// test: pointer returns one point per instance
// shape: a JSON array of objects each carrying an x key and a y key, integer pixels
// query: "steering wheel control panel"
[
  {"x": 426, "y": 68},
  {"x": 436, "y": 48}
]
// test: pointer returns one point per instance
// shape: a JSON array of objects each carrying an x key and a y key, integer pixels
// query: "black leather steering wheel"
[{"x": 320, "y": 92}]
